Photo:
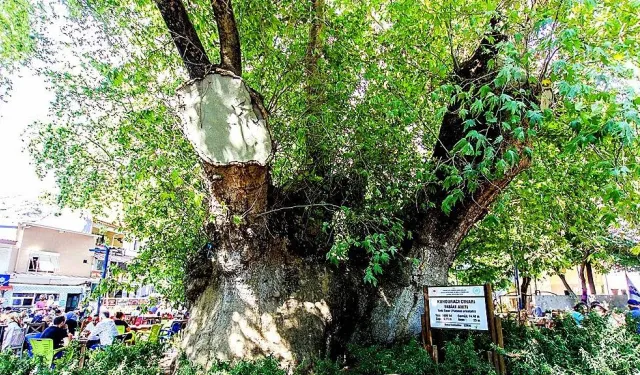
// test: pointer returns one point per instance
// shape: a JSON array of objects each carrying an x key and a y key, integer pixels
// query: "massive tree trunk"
[{"x": 258, "y": 289}]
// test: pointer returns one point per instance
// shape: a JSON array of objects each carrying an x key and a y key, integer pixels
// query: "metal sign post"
[{"x": 105, "y": 267}]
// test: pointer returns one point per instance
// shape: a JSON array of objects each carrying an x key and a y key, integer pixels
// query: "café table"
[{"x": 141, "y": 327}]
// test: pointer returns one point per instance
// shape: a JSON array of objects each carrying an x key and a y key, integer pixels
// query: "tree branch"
[
  {"x": 230, "y": 55},
  {"x": 185, "y": 37},
  {"x": 432, "y": 226},
  {"x": 313, "y": 46}
]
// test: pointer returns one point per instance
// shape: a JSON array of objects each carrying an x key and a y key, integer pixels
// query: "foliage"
[
  {"x": 140, "y": 359},
  {"x": 595, "y": 347},
  {"x": 361, "y": 148},
  {"x": 551, "y": 218}
]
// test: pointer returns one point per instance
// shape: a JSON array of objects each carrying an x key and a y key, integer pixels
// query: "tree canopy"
[{"x": 361, "y": 95}]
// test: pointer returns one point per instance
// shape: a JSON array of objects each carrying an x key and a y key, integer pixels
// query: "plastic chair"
[
  {"x": 154, "y": 333},
  {"x": 44, "y": 348},
  {"x": 27, "y": 341},
  {"x": 17, "y": 342},
  {"x": 175, "y": 327},
  {"x": 121, "y": 330}
]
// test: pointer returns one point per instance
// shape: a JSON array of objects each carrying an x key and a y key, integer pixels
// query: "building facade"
[{"x": 50, "y": 262}]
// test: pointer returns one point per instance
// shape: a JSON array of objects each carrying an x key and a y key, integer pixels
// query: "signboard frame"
[
  {"x": 476, "y": 295},
  {"x": 429, "y": 333}
]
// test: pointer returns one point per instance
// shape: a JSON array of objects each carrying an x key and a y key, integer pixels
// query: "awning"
[{"x": 47, "y": 289}]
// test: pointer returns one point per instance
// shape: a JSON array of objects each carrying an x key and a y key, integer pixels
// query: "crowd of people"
[
  {"x": 99, "y": 329},
  {"x": 615, "y": 317}
]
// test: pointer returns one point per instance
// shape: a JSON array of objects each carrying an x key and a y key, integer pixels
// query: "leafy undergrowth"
[{"x": 594, "y": 348}]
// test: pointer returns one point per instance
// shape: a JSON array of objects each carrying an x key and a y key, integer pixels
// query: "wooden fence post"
[
  {"x": 427, "y": 334},
  {"x": 502, "y": 369},
  {"x": 488, "y": 297}
]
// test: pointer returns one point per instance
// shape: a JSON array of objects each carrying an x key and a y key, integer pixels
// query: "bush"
[
  {"x": 596, "y": 347},
  {"x": 140, "y": 359}
]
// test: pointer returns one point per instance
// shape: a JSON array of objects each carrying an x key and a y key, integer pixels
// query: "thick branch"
[
  {"x": 433, "y": 227},
  {"x": 230, "y": 55},
  {"x": 312, "y": 54},
  {"x": 185, "y": 37}
]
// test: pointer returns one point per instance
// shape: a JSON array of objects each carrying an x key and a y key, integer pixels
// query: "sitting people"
[
  {"x": 13, "y": 335},
  {"x": 634, "y": 313},
  {"x": 119, "y": 321},
  {"x": 57, "y": 332},
  {"x": 103, "y": 333},
  {"x": 72, "y": 322},
  {"x": 578, "y": 313}
]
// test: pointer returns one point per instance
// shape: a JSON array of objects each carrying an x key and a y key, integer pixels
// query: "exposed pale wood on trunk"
[{"x": 185, "y": 37}]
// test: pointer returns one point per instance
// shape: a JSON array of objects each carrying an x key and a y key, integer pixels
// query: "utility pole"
[{"x": 105, "y": 268}]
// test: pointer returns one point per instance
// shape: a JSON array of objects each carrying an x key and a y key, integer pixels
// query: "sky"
[
  {"x": 28, "y": 102},
  {"x": 20, "y": 187}
]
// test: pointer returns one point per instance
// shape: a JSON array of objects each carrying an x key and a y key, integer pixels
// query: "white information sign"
[{"x": 458, "y": 307}]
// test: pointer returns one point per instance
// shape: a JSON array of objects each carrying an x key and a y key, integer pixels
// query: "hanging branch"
[
  {"x": 185, "y": 37},
  {"x": 230, "y": 55}
]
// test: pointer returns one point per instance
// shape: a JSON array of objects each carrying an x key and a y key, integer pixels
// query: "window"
[
  {"x": 22, "y": 299},
  {"x": 43, "y": 262},
  {"x": 29, "y": 299}
]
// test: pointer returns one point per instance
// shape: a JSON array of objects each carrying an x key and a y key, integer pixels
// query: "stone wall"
[{"x": 549, "y": 302}]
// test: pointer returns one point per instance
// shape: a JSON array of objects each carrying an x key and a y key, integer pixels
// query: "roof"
[
  {"x": 29, "y": 224},
  {"x": 49, "y": 279},
  {"x": 8, "y": 242}
]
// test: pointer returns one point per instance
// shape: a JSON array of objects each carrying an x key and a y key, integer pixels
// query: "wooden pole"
[
  {"x": 427, "y": 334},
  {"x": 488, "y": 296},
  {"x": 502, "y": 369}
]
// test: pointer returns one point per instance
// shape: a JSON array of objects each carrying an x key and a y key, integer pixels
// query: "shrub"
[{"x": 595, "y": 347}]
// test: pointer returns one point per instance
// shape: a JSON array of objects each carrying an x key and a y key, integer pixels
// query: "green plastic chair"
[
  {"x": 123, "y": 331},
  {"x": 154, "y": 333},
  {"x": 120, "y": 330},
  {"x": 44, "y": 348}
]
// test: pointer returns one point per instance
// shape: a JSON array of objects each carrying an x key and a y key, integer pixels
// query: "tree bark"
[
  {"x": 581, "y": 276},
  {"x": 567, "y": 287},
  {"x": 590, "y": 281},
  {"x": 524, "y": 289},
  {"x": 185, "y": 37},
  {"x": 230, "y": 55}
]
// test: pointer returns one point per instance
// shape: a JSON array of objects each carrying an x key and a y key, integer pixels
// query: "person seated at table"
[
  {"x": 103, "y": 333},
  {"x": 4, "y": 317},
  {"x": 578, "y": 313},
  {"x": 57, "y": 332},
  {"x": 634, "y": 313},
  {"x": 12, "y": 332},
  {"x": 119, "y": 321},
  {"x": 41, "y": 305},
  {"x": 72, "y": 322},
  {"x": 87, "y": 325}
]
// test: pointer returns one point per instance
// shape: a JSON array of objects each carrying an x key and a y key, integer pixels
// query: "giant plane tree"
[{"x": 302, "y": 168}]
